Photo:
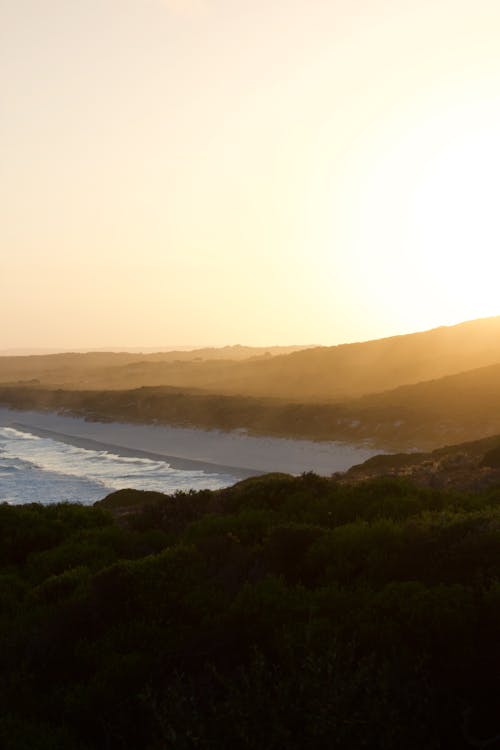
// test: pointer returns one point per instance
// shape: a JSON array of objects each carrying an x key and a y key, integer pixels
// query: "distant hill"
[
  {"x": 76, "y": 368},
  {"x": 318, "y": 374},
  {"x": 458, "y": 407},
  {"x": 419, "y": 391},
  {"x": 350, "y": 370},
  {"x": 421, "y": 416}
]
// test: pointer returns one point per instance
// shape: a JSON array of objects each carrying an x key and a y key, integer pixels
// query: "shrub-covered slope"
[{"x": 281, "y": 612}]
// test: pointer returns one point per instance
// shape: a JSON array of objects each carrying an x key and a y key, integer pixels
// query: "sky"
[{"x": 211, "y": 172}]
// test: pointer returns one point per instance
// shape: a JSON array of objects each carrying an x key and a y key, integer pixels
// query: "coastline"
[
  {"x": 212, "y": 451},
  {"x": 183, "y": 464}
]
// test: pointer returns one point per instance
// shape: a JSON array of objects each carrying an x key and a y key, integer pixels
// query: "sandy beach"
[{"x": 188, "y": 448}]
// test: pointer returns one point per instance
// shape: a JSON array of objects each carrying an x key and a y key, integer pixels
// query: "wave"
[
  {"x": 21, "y": 434},
  {"x": 128, "y": 460},
  {"x": 44, "y": 463}
]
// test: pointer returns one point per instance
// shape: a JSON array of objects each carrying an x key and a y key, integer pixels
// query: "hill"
[
  {"x": 423, "y": 416},
  {"x": 351, "y": 370},
  {"x": 75, "y": 368},
  {"x": 319, "y": 374},
  {"x": 456, "y": 408},
  {"x": 468, "y": 467},
  {"x": 280, "y": 612}
]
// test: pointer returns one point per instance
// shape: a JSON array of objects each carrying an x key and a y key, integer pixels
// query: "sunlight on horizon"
[
  {"x": 429, "y": 206},
  {"x": 209, "y": 172}
]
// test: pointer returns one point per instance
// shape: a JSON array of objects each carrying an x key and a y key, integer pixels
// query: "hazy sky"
[{"x": 253, "y": 171}]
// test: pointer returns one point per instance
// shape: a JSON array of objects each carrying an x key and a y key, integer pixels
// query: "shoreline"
[
  {"x": 207, "y": 450},
  {"x": 176, "y": 462}
]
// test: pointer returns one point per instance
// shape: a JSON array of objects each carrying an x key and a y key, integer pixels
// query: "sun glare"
[
  {"x": 457, "y": 224},
  {"x": 429, "y": 224}
]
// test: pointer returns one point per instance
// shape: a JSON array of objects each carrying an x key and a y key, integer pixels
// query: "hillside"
[
  {"x": 75, "y": 368},
  {"x": 423, "y": 416},
  {"x": 280, "y": 612},
  {"x": 319, "y": 374},
  {"x": 351, "y": 370},
  {"x": 454, "y": 409},
  {"x": 468, "y": 467}
]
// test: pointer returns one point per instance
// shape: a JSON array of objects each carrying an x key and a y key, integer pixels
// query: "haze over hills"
[
  {"x": 420, "y": 416},
  {"x": 73, "y": 366},
  {"x": 350, "y": 370},
  {"x": 441, "y": 410},
  {"x": 293, "y": 373},
  {"x": 165, "y": 353}
]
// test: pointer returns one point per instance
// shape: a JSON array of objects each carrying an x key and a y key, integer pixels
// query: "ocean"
[
  {"x": 36, "y": 469},
  {"x": 48, "y": 457}
]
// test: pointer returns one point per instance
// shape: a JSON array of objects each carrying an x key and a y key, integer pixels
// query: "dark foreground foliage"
[{"x": 279, "y": 613}]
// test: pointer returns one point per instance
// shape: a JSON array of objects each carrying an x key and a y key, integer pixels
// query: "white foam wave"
[
  {"x": 11, "y": 432},
  {"x": 100, "y": 468}
]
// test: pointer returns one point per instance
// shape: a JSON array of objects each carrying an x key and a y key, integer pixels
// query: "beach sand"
[{"x": 188, "y": 448}]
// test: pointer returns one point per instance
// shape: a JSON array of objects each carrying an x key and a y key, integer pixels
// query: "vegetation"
[
  {"x": 425, "y": 415},
  {"x": 318, "y": 375},
  {"x": 281, "y": 612},
  {"x": 419, "y": 391}
]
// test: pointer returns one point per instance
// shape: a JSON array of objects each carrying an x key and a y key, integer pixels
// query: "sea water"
[{"x": 41, "y": 470}]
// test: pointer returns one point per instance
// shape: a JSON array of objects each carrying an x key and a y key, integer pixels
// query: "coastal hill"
[
  {"x": 467, "y": 467},
  {"x": 455, "y": 408},
  {"x": 318, "y": 374},
  {"x": 422, "y": 416},
  {"x": 418, "y": 391}
]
